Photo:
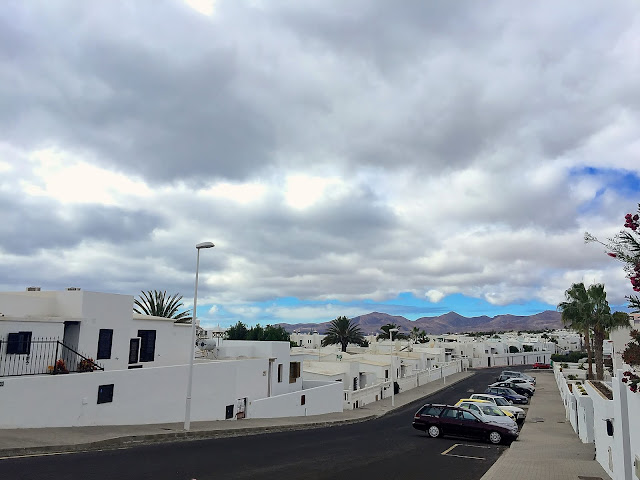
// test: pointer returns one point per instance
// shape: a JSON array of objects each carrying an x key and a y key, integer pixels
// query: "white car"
[
  {"x": 503, "y": 404},
  {"x": 526, "y": 388},
  {"x": 523, "y": 382},
  {"x": 489, "y": 413}
]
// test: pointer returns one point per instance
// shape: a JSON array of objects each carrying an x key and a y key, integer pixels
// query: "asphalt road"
[{"x": 385, "y": 448}]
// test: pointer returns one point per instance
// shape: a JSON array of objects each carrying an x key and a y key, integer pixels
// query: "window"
[
  {"x": 105, "y": 393},
  {"x": 105, "y": 338},
  {"x": 279, "y": 373},
  {"x": 19, "y": 343},
  {"x": 134, "y": 349},
  {"x": 294, "y": 371},
  {"x": 431, "y": 410},
  {"x": 303, "y": 400},
  {"x": 229, "y": 412},
  {"x": 471, "y": 406},
  {"x": 468, "y": 416},
  {"x": 147, "y": 345},
  {"x": 450, "y": 413},
  {"x": 386, "y": 373}
]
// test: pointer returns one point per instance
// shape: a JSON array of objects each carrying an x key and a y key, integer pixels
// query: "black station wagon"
[{"x": 438, "y": 420}]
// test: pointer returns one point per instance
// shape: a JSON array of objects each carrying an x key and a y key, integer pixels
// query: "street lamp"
[
  {"x": 187, "y": 409},
  {"x": 393, "y": 387}
]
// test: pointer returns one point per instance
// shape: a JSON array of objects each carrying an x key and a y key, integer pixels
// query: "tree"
[
  {"x": 625, "y": 247},
  {"x": 160, "y": 304},
  {"x": 343, "y": 331},
  {"x": 513, "y": 349},
  {"x": 385, "y": 332},
  {"x": 576, "y": 314},
  {"x": 587, "y": 310},
  {"x": 237, "y": 332}
]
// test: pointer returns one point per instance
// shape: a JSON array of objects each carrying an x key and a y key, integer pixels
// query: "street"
[{"x": 385, "y": 448}]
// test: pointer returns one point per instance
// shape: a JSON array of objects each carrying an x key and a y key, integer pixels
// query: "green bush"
[
  {"x": 571, "y": 357},
  {"x": 572, "y": 377}
]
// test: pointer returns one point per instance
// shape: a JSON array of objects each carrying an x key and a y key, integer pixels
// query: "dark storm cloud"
[
  {"x": 30, "y": 225},
  {"x": 161, "y": 92}
]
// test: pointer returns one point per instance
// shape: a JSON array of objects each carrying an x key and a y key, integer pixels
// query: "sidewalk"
[
  {"x": 548, "y": 448},
  {"x": 39, "y": 441}
]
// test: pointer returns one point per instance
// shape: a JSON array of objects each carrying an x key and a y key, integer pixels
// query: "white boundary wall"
[
  {"x": 324, "y": 398},
  {"x": 145, "y": 396},
  {"x": 382, "y": 390},
  {"x": 618, "y": 454}
]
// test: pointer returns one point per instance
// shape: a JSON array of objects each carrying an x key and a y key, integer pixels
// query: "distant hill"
[{"x": 449, "y": 322}]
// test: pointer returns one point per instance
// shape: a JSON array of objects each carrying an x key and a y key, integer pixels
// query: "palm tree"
[
  {"x": 385, "y": 332},
  {"x": 603, "y": 323},
  {"x": 415, "y": 334},
  {"x": 576, "y": 314},
  {"x": 342, "y": 331},
  {"x": 160, "y": 304}
]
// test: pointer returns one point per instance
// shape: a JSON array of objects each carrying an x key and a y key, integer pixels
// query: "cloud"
[
  {"x": 464, "y": 151},
  {"x": 434, "y": 296}
]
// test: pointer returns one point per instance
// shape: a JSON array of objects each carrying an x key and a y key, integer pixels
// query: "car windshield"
[
  {"x": 508, "y": 391},
  {"x": 491, "y": 410},
  {"x": 501, "y": 402}
]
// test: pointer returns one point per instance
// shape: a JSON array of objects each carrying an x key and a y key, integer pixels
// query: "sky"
[{"x": 411, "y": 158}]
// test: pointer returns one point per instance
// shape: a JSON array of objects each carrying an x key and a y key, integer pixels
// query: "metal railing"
[{"x": 44, "y": 356}]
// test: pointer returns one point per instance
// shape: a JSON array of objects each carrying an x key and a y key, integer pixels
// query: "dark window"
[
  {"x": 134, "y": 348},
  {"x": 431, "y": 410},
  {"x": 229, "y": 412},
  {"x": 279, "y": 372},
  {"x": 386, "y": 374},
  {"x": 303, "y": 400},
  {"x": 19, "y": 343},
  {"x": 105, "y": 338},
  {"x": 105, "y": 393},
  {"x": 294, "y": 371},
  {"x": 450, "y": 413},
  {"x": 147, "y": 345},
  {"x": 468, "y": 416}
]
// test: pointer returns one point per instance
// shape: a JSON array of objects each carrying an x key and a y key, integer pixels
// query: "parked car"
[
  {"x": 438, "y": 420},
  {"x": 518, "y": 388},
  {"x": 503, "y": 404},
  {"x": 509, "y": 394},
  {"x": 523, "y": 383},
  {"x": 539, "y": 365},
  {"x": 487, "y": 411},
  {"x": 505, "y": 374}
]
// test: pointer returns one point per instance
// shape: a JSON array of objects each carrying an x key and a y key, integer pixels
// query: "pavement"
[{"x": 547, "y": 448}]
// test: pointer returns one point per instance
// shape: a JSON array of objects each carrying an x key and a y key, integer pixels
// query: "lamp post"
[
  {"x": 187, "y": 409},
  {"x": 393, "y": 387}
]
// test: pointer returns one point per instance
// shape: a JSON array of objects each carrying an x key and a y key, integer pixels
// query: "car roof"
[{"x": 472, "y": 400}]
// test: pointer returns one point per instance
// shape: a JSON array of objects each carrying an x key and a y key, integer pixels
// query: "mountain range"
[{"x": 448, "y": 323}]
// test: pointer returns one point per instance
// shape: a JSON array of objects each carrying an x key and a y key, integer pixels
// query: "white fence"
[
  {"x": 382, "y": 390},
  {"x": 612, "y": 425},
  {"x": 322, "y": 398}
]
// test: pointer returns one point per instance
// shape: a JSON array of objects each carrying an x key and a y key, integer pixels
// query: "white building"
[{"x": 134, "y": 369}]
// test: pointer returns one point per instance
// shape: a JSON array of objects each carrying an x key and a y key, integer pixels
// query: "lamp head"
[{"x": 205, "y": 245}]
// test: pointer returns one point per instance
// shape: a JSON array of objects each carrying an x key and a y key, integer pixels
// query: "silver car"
[{"x": 490, "y": 413}]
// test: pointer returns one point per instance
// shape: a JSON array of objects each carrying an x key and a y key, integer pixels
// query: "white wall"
[
  {"x": 320, "y": 399},
  {"x": 149, "y": 395},
  {"x": 602, "y": 410}
]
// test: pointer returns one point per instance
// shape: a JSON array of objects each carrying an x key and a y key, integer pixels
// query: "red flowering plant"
[{"x": 625, "y": 247}]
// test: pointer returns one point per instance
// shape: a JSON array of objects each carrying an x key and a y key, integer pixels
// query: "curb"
[{"x": 158, "y": 438}]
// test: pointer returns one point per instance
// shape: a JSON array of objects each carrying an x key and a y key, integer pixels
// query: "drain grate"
[
  {"x": 535, "y": 420},
  {"x": 581, "y": 477}
]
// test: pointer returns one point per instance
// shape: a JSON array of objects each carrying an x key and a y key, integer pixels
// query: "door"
[
  {"x": 470, "y": 426},
  {"x": 270, "y": 374},
  {"x": 134, "y": 350},
  {"x": 449, "y": 421}
]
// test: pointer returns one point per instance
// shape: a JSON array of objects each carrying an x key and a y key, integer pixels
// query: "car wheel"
[
  {"x": 495, "y": 438},
  {"x": 434, "y": 432}
]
